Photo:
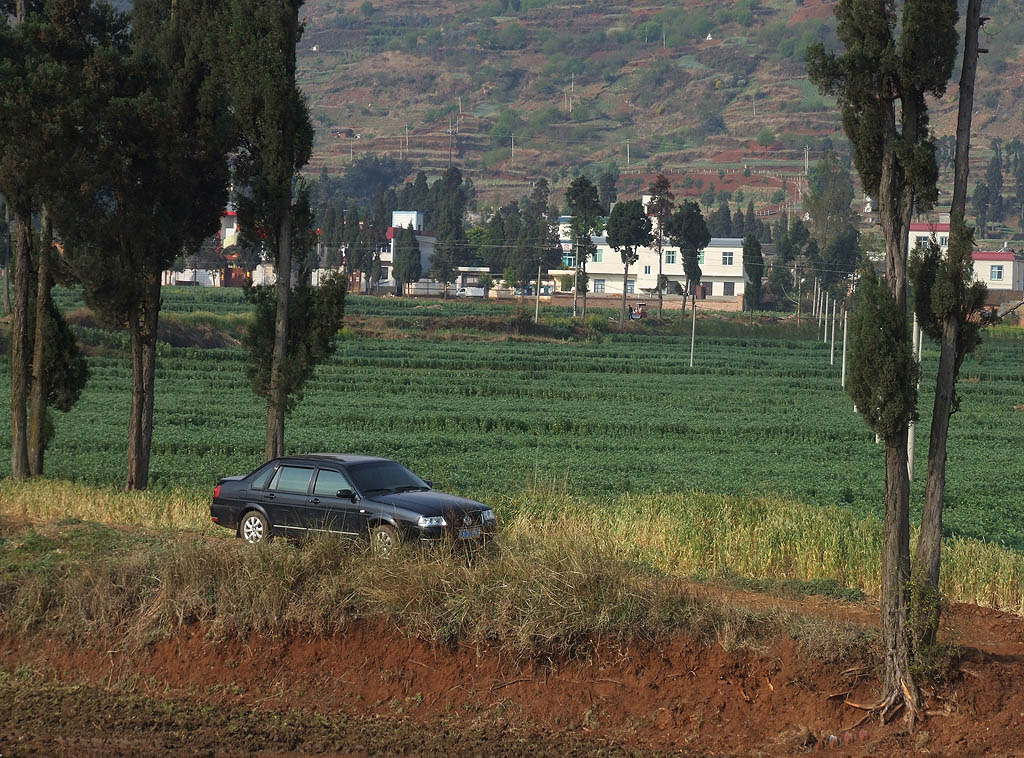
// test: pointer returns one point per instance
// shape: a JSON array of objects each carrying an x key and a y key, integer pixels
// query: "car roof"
[{"x": 333, "y": 458}]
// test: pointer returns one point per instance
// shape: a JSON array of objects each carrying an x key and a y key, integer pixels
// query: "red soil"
[{"x": 672, "y": 694}]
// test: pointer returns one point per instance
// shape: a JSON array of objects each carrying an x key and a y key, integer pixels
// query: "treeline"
[{"x": 122, "y": 135}]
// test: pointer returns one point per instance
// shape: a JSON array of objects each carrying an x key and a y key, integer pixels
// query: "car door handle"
[
  {"x": 362, "y": 510},
  {"x": 315, "y": 501},
  {"x": 271, "y": 496}
]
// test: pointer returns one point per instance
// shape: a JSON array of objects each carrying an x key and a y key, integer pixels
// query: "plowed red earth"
[{"x": 374, "y": 691}]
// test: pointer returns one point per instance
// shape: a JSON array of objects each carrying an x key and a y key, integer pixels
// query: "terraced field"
[{"x": 593, "y": 418}]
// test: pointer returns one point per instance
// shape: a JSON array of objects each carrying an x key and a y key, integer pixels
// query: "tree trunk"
[
  {"x": 660, "y": 296},
  {"x": 575, "y": 287},
  {"x": 7, "y": 262},
  {"x": 536, "y": 307},
  {"x": 896, "y": 201},
  {"x": 19, "y": 345},
  {"x": 143, "y": 329},
  {"x": 40, "y": 389},
  {"x": 899, "y": 684},
  {"x": 584, "y": 313},
  {"x": 928, "y": 557},
  {"x": 274, "y": 440},
  {"x": 625, "y": 278}
]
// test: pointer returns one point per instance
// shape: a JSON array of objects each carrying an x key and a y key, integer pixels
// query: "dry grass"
[
  {"x": 548, "y": 596},
  {"x": 636, "y": 546}
]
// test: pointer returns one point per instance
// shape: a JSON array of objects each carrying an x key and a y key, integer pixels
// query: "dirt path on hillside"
[{"x": 372, "y": 691}]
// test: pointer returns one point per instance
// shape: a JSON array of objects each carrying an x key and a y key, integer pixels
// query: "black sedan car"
[{"x": 354, "y": 495}]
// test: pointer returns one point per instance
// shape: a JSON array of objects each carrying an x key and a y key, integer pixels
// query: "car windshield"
[{"x": 385, "y": 476}]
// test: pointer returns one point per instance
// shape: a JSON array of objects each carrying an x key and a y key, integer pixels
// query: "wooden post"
[{"x": 832, "y": 348}]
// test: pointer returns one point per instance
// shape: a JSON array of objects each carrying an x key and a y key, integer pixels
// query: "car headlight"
[
  {"x": 428, "y": 521},
  {"x": 487, "y": 516}
]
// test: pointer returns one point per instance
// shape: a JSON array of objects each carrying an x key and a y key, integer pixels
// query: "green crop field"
[{"x": 757, "y": 415}]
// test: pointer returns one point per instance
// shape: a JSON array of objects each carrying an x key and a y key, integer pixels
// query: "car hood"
[{"x": 429, "y": 503}]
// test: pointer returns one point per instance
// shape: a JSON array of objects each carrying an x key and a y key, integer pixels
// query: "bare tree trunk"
[
  {"x": 7, "y": 262},
  {"x": 40, "y": 386},
  {"x": 625, "y": 278},
  {"x": 584, "y": 314},
  {"x": 274, "y": 441},
  {"x": 536, "y": 307},
  {"x": 660, "y": 295},
  {"x": 899, "y": 685},
  {"x": 575, "y": 287},
  {"x": 143, "y": 328},
  {"x": 19, "y": 345},
  {"x": 928, "y": 557}
]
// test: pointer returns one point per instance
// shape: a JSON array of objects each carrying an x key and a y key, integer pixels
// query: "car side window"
[
  {"x": 329, "y": 482},
  {"x": 262, "y": 478},
  {"x": 292, "y": 479}
]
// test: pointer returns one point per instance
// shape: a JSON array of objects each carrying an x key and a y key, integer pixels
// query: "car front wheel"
[
  {"x": 254, "y": 528},
  {"x": 384, "y": 540}
]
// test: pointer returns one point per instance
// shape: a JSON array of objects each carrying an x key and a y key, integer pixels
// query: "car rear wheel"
[
  {"x": 254, "y": 528},
  {"x": 384, "y": 540}
]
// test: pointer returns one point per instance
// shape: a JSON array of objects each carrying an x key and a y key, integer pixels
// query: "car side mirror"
[
  {"x": 428, "y": 483},
  {"x": 346, "y": 494}
]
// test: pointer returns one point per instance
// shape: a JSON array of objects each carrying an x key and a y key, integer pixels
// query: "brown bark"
[
  {"x": 584, "y": 313},
  {"x": 7, "y": 263},
  {"x": 896, "y": 199},
  {"x": 660, "y": 294},
  {"x": 928, "y": 557},
  {"x": 142, "y": 327},
  {"x": 19, "y": 346},
  {"x": 40, "y": 386},
  {"x": 274, "y": 441},
  {"x": 625, "y": 278}
]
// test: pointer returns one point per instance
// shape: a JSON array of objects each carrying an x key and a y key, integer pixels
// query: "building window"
[
  {"x": 384, "y": 273},
  {"x": 700, "y": 258},
  {"x": 597, "y": 256},
  {"x": 630, "y": 286},
  {"x": 647, "y": 269},
  {"x": 943, "y": 241},
  {"x": 727, "y": 258},
  {"x": 670, "y": 256},
  {"x": 598, "y": 286},
  {"x": 996, "y": 274},
  {"x": 569, "y": 260},
  {"x": 729, "y": 288}
]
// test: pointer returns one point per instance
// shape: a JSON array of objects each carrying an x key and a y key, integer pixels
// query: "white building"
[
  {"x": 721, "y": 265},
  {"x": 401, "y": 220},
  {"x": 1000, "y": 270}
]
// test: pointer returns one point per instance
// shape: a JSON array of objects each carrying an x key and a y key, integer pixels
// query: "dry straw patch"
[{"x": 678, "y": 534}]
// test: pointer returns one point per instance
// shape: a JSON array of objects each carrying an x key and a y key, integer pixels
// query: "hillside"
[{"x": 687, "y": 90}]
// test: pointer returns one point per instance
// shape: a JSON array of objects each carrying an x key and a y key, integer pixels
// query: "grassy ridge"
[{"x": 688, "y": 535}]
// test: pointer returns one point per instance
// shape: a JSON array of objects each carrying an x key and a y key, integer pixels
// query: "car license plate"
[{"x": 470, "y": 533}]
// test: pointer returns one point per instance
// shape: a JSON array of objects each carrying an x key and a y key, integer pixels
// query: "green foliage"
[
  {"x": 371, "y": 172},
  {"x": 687, "y": 229},
  {"x": 314, "y": 318},
  {"x": 883, "y": 371},
  {"x": 407, "y": 266},
  {"x": 629, "y": 227},
  {"x": 753, "y": 267}
]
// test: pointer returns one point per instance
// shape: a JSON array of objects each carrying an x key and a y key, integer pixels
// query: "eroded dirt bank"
[{"x": 373, "y": 691}]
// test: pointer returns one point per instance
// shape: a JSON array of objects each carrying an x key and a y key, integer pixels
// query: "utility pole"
[
  {"x": 832, "y": 348},
  {"x": 807, "y": 164},
  {"x": 627, "y": 153},
  {"x": 407, "y": 138},
  {"x": 513, "y": 147},
  {"x": 450, "y": 135},
  {"x": 842, "y": 376}
]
